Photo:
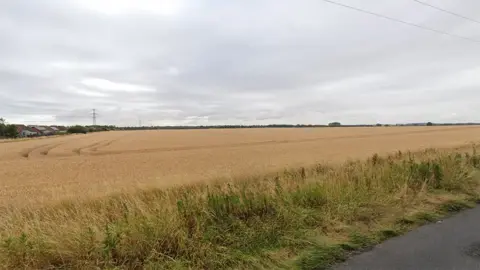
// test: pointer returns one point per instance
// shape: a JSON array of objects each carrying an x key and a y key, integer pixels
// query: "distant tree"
[
  {"x": 11, "y": 131},
  {"x": 92, "y": 129},
  {"x": 378, "y": 125},
  {"x": 429, "y": 124},
  {"x": 2, "y": 127},
  {"x": 77, "y": 129},
  {"x": 334, "y": 124}
]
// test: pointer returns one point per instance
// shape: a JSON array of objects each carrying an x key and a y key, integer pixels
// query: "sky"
[{"x": 211, "y": 62}]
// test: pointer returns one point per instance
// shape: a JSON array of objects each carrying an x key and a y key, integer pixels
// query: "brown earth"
[{"x": 84, "y": 166}]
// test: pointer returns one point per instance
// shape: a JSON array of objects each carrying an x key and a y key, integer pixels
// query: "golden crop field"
[{"x": 47, "y": 170}]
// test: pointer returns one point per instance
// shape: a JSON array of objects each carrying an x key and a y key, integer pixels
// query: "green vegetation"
[
  {"x": 86, "y": 129},
  {"x": 2, "y": 127},
  {"x": 334, "y": 124},
  {"x": 306, "y": 218},
  {"x": 8, "y": 131},
  {"x": 11, "y": 131},
  {"x": 77, "y": 129}
]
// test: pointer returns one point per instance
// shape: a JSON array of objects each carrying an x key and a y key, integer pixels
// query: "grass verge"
[{"x": 306, "y": 218}]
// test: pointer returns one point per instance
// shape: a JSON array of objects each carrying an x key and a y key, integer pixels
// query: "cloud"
[
  {"x": 119, "y": 7},
  {"x": 173, "y": 71},
  {"x": 106, "y": 85},
  {"x": 236, "y": 62},
  {"x": 85, "y": 92}
]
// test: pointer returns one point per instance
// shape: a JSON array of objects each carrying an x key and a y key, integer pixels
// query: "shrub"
[{"x": 77, "y": 129}]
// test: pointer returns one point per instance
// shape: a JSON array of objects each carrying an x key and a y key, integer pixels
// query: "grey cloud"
[{"x": 238, "y": 62}]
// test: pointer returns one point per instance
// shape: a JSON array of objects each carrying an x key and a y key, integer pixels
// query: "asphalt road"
[{"x": 453, "y": 243}]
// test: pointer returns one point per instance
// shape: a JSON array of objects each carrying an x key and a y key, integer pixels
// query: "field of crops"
[
  {"x": 81, "y": 166},
  {"x": 280, "y": 205}
]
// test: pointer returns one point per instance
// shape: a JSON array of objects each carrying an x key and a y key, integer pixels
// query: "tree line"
[{"x": 10, "y": 130}]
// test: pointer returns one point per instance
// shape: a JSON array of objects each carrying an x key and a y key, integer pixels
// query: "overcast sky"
[{"x": 236, "y": 62}]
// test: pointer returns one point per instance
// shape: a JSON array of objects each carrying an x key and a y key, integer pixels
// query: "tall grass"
[{"x": 307, "y": 218}]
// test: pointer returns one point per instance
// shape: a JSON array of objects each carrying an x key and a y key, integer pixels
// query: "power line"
[
  {"x": 447, "y": 11},
  {"x": 401, "y": 21}
]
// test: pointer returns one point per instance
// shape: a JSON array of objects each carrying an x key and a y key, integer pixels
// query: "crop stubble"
[{"x": 83, "y": 166}]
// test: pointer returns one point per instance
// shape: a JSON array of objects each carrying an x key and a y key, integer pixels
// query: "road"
[{"x": 453, "y": 243}]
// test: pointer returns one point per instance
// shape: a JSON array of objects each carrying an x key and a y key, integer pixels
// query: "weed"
[
  {"x": 454, "y": 206},
  {"x": 321, "y": 257},
  {"x": 244, "y": 223}
]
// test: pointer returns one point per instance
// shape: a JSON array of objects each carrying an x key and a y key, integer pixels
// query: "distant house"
[
  {"x": 42, "y": 130},
  {"x": 33, "y": 128},
  {"x": 48, "y": 130},
  {"x": 31, "y": 132},
  {"x": 59, "y": 129},
  {"x": 54, "y": 128},
  {"x": 24, "y": 131}
]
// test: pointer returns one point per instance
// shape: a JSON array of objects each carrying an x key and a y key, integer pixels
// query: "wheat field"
[
  {"x": 122, "y": 207},
  {"x": 48, "y": 170}
]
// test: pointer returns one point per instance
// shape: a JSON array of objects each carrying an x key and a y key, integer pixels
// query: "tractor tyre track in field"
[
  {"x": 248, "y": 144},
  {"x": 107, "y": 143},
  {"x": 47, "y": 150},
  {"x": 102, "y": 144},
  {"x": 79, "y": 151},
  {"x": 110, "y": 142},
  {"x": 26, "y": 153},
  {"x": 94, "y": 147},
  {"x": 44, "y": 150}
]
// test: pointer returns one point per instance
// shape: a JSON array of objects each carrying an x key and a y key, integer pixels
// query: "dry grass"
[
  {"x": 306, "y": 218},
  {"x": 45, "y": 171}
]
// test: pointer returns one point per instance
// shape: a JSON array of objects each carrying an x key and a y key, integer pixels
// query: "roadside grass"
[{"x": 306, "y": 218}]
